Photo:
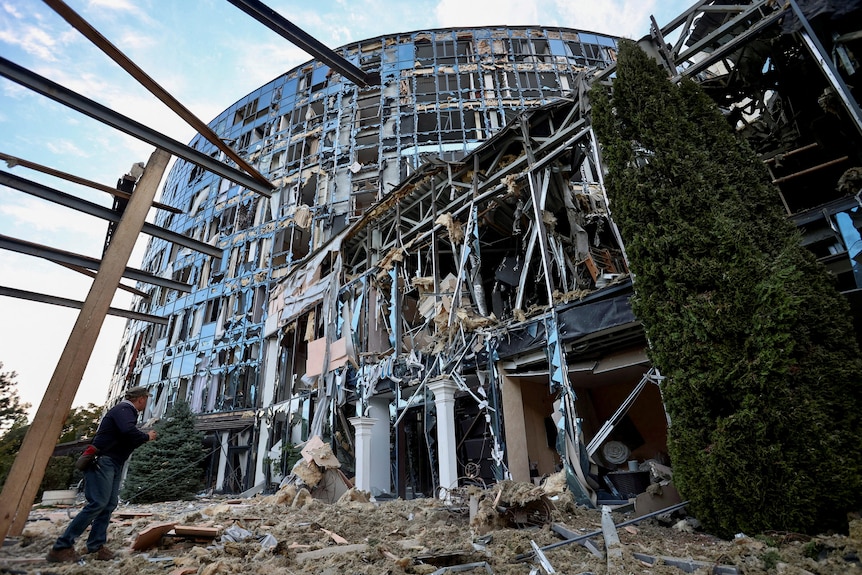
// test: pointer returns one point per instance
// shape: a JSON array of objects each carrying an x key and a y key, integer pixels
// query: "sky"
[{"x": 208, "y": 54}]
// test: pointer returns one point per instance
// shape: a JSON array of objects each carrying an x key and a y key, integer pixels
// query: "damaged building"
[{"x": 436, "y": 287}]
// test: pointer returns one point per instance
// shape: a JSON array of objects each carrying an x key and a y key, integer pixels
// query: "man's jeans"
[{"x": 101, "y": 488}]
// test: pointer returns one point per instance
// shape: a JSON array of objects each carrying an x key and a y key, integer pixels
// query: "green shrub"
[
  {"x": 169, "y": 467},
  {"x": 763, "y": 368}
]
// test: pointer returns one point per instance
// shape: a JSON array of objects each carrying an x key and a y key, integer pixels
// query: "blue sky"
[{"x": 207, "y": 54}]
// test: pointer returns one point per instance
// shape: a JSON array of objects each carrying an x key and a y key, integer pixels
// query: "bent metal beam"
[
  {"x": 64, "y": 257},
  {"x": 85, "y": 207},
  {"x": 111, "y": 118}
]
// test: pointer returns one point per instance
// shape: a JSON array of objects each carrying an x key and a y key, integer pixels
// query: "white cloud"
[
  {"x": 65, "y": 147},
  {"x": 11, "y": 10},
  {"x": 629, "y": 18},
  {"x": 487, "y": 12},
  {"x": 32, "y": 40},
  {"x": 124, "y": 7},
  {"x": 40, "y": 221}
]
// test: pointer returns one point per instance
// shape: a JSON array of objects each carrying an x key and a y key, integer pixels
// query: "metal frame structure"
[{"x": 432, "y": 254}]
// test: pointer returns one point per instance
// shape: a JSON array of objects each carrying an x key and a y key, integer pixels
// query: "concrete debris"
[{"x": 265, "y": 534}]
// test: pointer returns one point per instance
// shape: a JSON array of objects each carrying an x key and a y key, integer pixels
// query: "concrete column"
[
  {"x": 262, "y": 452},
  {"x": 363, "y": 427},
  {"x": 222, "y": 462},
  {"x": 381, "y": 446},
  {"x": 444, "y": 398}
]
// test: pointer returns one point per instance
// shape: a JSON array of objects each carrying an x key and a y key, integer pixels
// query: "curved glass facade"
[{"x": 331, "y": 150}]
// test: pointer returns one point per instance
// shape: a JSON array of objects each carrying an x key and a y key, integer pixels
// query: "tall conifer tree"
[
  {"x": 169, "y": 467},
  {"x": 763, "y": 368}
]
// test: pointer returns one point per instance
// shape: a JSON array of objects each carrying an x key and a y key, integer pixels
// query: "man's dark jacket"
[{"x": 118, "y": 434}]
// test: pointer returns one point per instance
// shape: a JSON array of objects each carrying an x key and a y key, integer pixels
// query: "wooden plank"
[
  {"x": 131, "y": 514},
  {"x": 197, "y": 531},
  {"x": 151, "y": 535},
  {"x": 27, "y": 471},
  {"x": 515, "y": 428}
]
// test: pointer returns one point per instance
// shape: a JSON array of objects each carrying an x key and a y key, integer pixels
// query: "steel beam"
[
  {"x": 286, "y": 29},
  {"x": 83, "y": 206},
  {"x": 62, "y": 256},
  {"x": 155, "y": 89},
  {"x": 727, "y": 47},
  {"x": 77, "y": 102},
  {"x": 13, "y": 161},
  {"x": 66, "y": 302},
  {"x": 818, "y": 52}
]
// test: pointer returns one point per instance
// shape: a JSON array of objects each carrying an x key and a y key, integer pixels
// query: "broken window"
[
  {"x": 212, "y": 310},
  {"x": 445, "y": 52},
  {"x": 368, "y": 110},
  {"x": 424, "y": 50},
  {"x": 450, "y": 121},
  {"x": 227, "y": 219},
  {"x": 300, "y": 242},
  {"x": 426, "y": 89},
  {"x": 361, "y": 202},
  {"x": 197, "y": 200},
  {"x": 426, "y": 126}
]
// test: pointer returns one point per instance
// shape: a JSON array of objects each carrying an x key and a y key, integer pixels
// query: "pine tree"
[
  {"x": 12, "y": 412},
  {"x": 169, "y": 467},
  {"x": 763, "y": 388}
]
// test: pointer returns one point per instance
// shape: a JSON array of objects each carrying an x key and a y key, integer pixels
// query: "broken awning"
[
  {"x": 584, "y": 320},
  {"x": 295, "y": 305},
  {"x": 303, "y": 288}
]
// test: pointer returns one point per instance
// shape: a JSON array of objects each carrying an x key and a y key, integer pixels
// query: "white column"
[
  {"x": 222, "y": 462},
  {"x": 381, "y": 447},
  {"x": 261, "y": 451},
  {"x": 444, "y": 398},
  {"x": 363, "y": 426}
]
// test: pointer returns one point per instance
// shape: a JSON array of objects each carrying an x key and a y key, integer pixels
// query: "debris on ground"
[{"x": 505, "y": 529}]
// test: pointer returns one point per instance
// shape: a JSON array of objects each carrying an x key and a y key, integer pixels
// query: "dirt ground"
[{"x": 293, "y": 533}]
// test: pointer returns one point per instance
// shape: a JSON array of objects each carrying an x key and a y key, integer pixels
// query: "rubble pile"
[{"x": 473, "y": 531}]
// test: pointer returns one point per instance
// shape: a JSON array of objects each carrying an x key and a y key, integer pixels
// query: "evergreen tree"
[
  {"x": 10, "y": 445},
  {"x": 60, "y": 472},
  {"x": 82, "y": 422},
  {"x": 12, "y": 411},
  {"x": 169, "y": 467},
  {"x": 763, "y": 368}
]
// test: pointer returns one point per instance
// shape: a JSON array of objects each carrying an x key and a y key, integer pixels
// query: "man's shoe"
[
  {"x": 66, "y": 555},
  {"x": 104, "y": 554}
]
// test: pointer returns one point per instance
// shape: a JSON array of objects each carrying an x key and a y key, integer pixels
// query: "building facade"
[
  {"x": 332, "y": 150},
  {"x": 436, "y": 288}
]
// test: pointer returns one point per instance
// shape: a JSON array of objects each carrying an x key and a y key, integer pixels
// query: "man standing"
[{"x": 115, "y": 440}]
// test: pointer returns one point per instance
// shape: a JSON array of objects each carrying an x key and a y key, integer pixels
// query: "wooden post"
[
  {"x": 515, "y": 424},
  {"x": 27, "y": 471}
]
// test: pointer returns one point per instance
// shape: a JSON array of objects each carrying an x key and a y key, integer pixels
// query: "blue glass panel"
[
  {"x": 588, "y": 38},
  {"x": 319, "y": 75},
  {"x": 605, "y": 41},
  {"x": 558, "y": 47}
]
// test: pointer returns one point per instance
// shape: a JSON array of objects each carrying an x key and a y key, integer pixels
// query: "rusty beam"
[
  {"x": 82, "y": 26},
  {"x": 12, "y": 161},
  {"x": 286, "y": 29}
]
